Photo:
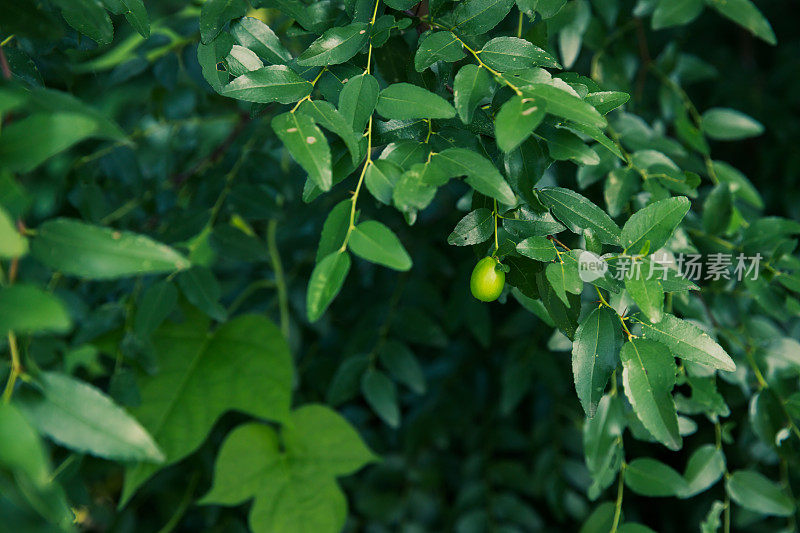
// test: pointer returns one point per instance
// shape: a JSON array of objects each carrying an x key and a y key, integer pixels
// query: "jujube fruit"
[{"x": 487, "y": 280}]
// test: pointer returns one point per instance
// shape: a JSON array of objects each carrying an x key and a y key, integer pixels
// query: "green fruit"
[{"x": 487, "y": 281}]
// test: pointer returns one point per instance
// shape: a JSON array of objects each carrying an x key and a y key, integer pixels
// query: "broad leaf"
[
  {"x": 28, "y": 309},
  {"x": 511, "y": 53},
  {"x": 476, "y": 227},
  {"x": 688, "y": 342},
  {"x": 480, "y": 172},
  {"x": 747, "y": 15},
  {"x": 198, "y": 368},
  {"x": 654, "y": 224},
  {"x": 376, "y": 243},
  {"x": 325, "y": 283},
  {"x": 516, "y": 120},
  {"x": 755, "y": 492},
  {"x": 730, "y": 125},
  {"x": 274, "y": 83},
  {"x": 358, "y": 99},
  {"x": 579, "y": 213},
  {"x": 706, "y": 466},
  {"x": 406, "y": 101},
  {"x": 93, "y": 252},
  {"x": 474, "y": 17},
  {"x": 381, "y": 395},
  {"x": 335, "y": 46},
  {"x": 79, "y": 416},
  {"x": 595, "y": 354},
  {"x": 471, "y": 86},
  {"x": 653, "y": 478},
  {"x": 308, "y": 146},
  {"x": 648, "y": 377},
  {"x": 438, "y": 46},
  {"x": 258, "y": 37}
]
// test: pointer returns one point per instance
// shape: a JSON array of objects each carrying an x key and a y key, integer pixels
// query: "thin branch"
[{"x": 216, "y": 154}]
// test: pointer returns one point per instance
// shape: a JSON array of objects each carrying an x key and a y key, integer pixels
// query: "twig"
[
  {"x": 215, "y": 154},
  {"x": 4, "y": 65}
]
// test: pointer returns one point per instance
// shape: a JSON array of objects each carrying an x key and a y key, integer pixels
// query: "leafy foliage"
[{"x": 236, "y": 238}]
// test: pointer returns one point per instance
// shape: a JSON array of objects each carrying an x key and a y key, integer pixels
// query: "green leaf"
[
  {"x": 740, "y": 186},
  {"x": 689, "y": 342},
  {"x": 644, "y": 286},
  {"x": 476, "y": 227},
  {"x": 595, "y": 354},
  {"x": 705, "y": 467},
  {"x": 724, "y": 124},
  {"x": 202, "y": 290},
  {"x": 346, "y": 381},
  {"x": 334, "y": 229},
  {"x": 718, "y": 209},
  {"x": 564, "y": 146},
  {"x": 563, "y": 104},
  {"x": 381, "y": 394},
  {"x": 21, "y": 449},
  {"x": 474, "y": 17},
  {"x": 602, "y": 443},
  {"x": 216, "y": 13},
  {"x": 516, "y": 120},
  {"x": 563, "y": 277},
  {"x": 480, "y": 172},
  {"x": 332, "y": 120},
  {"x": 325, "y": 283},
  {"x": 135, "y": 13},
  {"x": 412, "y": 191},
  {"x": 28, "y": 309},
  {"x": 240, "y": 61},
  {"x": 437, "y": 46},
  {"x": 620, "y": 185},
  {"x": 380, "y": 179},
  {"x": 648, "y": 377},
  {"x": 511, "y": 53},
  {"x": 601, "y": 520},
  {"x": 210, "y": 56},
  {"x": 399, "y": 360},
  {"x": 12, "y": 244},
  {"x": 578, "y": 213},
  {"x": 336, "y": 45},
  {"x": 676, "y": 12},
  {"x": 29, "y": 142},
  {"x": 316, "y": 503},
  {"x": 654, "y": 223},
  {"x": 538, "y": 248},
  {"x": 471, "y": 86},
  {"x": 308, "y": 146},
  {"x": 274, "y": 83},
  {"x": 358, "y": 99},
  {"x": 79, "y": 416},
  {"x": 565, "y": 317},
  {"x": 747, "y": 15},
  {"x": 755, "y": 492},
  {"x": 376, "y": 243},
  {"x": 406, "y": 101},
  {"x": 606, "y": 101},
  {"x": 154, "y": 307},
  {"x": 201, "y": 368},
  {"x": 653, "y": 478},
  {"x": 93, "y": 252},
  {"x": 89, "y": 18},
  {"x": 713, "y": 521},
  {"x": 320, "y": 442},
  {"x": 549, "y": 8},
  {"x": 258, "y": 37},
  {"x": 247, "y": 459}
]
